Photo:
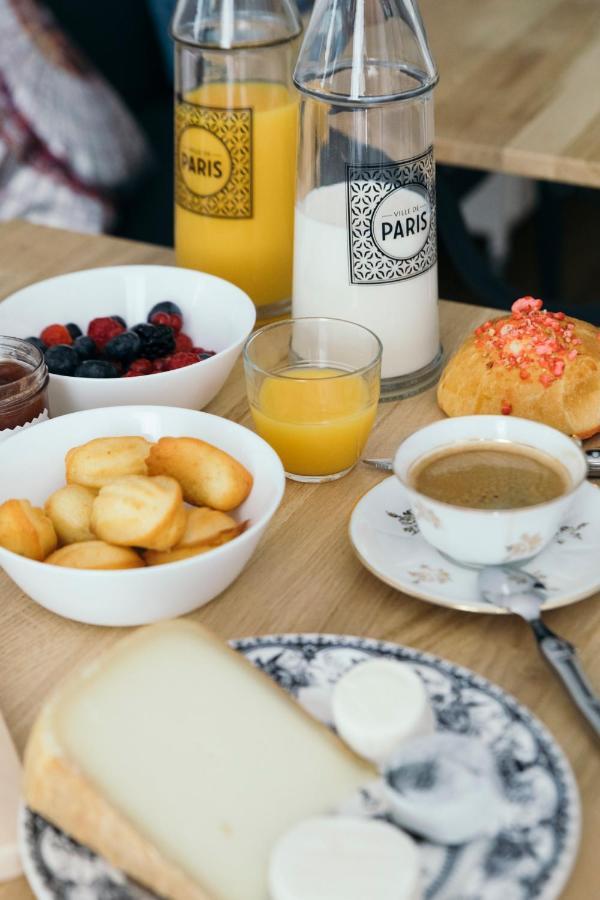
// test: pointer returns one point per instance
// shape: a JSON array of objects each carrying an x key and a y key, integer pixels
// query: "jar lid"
[
  {"x": 365, "y": 53},
  {"x": 233, "y": 24}
]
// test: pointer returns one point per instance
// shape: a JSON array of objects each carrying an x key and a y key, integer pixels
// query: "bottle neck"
[{"x": 337, "y": 89}]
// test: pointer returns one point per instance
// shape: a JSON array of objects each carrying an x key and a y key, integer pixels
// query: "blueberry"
[
  {"x": 84, "y": 347},
  {"x": 167, "y": 306},
  {"x": 156, "y": 340},
  {"x": 124, "y": 347},
  {"x": 61, "y": 359},
  {"x": 37, "y": 343},
  {"x": 73, "y": 329},
  {"x": 96, "y": 368},
  {"x": 120, "y": 320}
]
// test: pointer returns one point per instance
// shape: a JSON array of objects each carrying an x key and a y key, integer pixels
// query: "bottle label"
[
  {"x": 391, "y": 220},
  {"x": 213, "y": 161}
]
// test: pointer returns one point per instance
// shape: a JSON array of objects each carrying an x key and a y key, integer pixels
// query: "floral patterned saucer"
[
  {"x": 528, "y": 857},
  {"x": 387, "y": 541}
]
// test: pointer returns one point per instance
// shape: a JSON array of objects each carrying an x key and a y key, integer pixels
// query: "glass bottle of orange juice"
[{"x": 235, "y": 143}]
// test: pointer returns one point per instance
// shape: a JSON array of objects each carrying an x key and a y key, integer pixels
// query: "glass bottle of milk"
[{"x": 365, "y": 224}]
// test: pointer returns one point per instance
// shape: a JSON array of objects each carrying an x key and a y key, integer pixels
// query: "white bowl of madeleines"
[
  {"x": 217, "y": 315},
  {"x": 128, "y": 515}
]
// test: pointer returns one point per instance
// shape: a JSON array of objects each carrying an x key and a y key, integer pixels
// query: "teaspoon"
[
  {"x": 523, "y": 594},
  {"x": 385, "y": 464}
]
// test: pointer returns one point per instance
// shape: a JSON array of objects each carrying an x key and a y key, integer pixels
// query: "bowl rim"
[
  {"x": 469, "y": 510},
  {"x": 242, "y": 296},
  {"x": 255, "y": 525}
]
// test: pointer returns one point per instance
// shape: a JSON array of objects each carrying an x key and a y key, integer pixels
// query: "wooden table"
[
  {"x": 518, "y": 89},
  {"x": 304, "y": 576}
]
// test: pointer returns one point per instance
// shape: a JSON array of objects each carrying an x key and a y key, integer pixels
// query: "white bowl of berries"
[{"x": 132, "y": 335}]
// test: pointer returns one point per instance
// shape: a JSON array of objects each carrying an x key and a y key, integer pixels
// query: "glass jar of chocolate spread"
[{"x": 23, "y": 386}]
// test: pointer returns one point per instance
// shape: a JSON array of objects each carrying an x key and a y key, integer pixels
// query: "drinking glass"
[{"x": 313, "y": 389}]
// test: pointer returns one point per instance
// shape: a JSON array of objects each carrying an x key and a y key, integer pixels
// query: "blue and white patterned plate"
[
  {"x": 528, "y": 858},
  {"x": 386, "y": 539}
]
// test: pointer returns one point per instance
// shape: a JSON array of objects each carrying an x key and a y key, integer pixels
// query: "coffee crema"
[{"x": 490, "y": 475}]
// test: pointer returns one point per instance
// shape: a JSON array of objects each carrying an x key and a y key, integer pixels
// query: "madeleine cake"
[
  {"x": 104, "y": 459},
  {"x": 140, "y": 511},
  {"x": 95, "y": 555},
  {"x": 26, "y": 530},
  {"x": 70, "y": 509},
  {"x": 207, "y": 475}
]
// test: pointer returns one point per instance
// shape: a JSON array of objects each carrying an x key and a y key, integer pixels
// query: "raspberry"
[
  {"x": 161, "y": 365},
  {"x": 201, "y": 353},
  {"x": 176, "y": 322},
  {"x": 102, "y": 330},
  {"x": 183, "y": 343},
  {"x": 140, "y": 366},
  {"x": 180, "y": 360},
  {"x": 55, "y": 334},
  {"x": 167, "y": 306},
  {"x": 173, "y": 320}
]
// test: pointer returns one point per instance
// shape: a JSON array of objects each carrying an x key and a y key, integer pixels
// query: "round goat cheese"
[
  {"x": 444, "y": 787},
  {"x": 344, "y": 858},
  {"x": 378, "y": 705}
]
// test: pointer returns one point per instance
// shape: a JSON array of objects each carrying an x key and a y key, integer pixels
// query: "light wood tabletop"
[
  {"x": 518, "y": 89},
  {"x": 304, "y": 576}
]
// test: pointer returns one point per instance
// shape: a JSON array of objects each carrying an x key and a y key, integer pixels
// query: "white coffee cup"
[{"x": 481, "y": 537}]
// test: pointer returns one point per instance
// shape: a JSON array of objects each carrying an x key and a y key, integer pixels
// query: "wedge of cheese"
[{"x": 180, "y": 763}]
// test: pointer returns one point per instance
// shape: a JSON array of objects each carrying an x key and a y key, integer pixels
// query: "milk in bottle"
[{"x": 365, "y": 225}]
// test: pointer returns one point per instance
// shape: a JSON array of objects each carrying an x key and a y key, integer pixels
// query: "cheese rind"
[
  {"x": 344, "y": 858},
  {"x": 10, "y": 785},
  {"x": 172, "y": 756}
]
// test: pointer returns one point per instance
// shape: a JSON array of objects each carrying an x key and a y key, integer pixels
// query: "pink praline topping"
[{"x": 530, "y": 338}]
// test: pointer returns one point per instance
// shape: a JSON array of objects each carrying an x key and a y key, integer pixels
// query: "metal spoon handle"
[
  {"x": 593, "y": 462},
  {"x": 562, "y": 656},
  {"x": 383, "y": 465}
]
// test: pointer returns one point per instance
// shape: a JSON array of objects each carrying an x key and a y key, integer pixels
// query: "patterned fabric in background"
[{"x": 66, "y": 139}]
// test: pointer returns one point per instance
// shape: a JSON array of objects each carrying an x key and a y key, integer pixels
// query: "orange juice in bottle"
[{"x": 235, "y": 143}]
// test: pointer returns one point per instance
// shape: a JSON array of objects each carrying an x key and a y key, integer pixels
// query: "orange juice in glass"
[
  {"x": 236, "y": 121},
  {"x": 313, "y": 389}
]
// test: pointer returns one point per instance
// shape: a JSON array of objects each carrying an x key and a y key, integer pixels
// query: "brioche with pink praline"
[{"x": 532, "y": 363}]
